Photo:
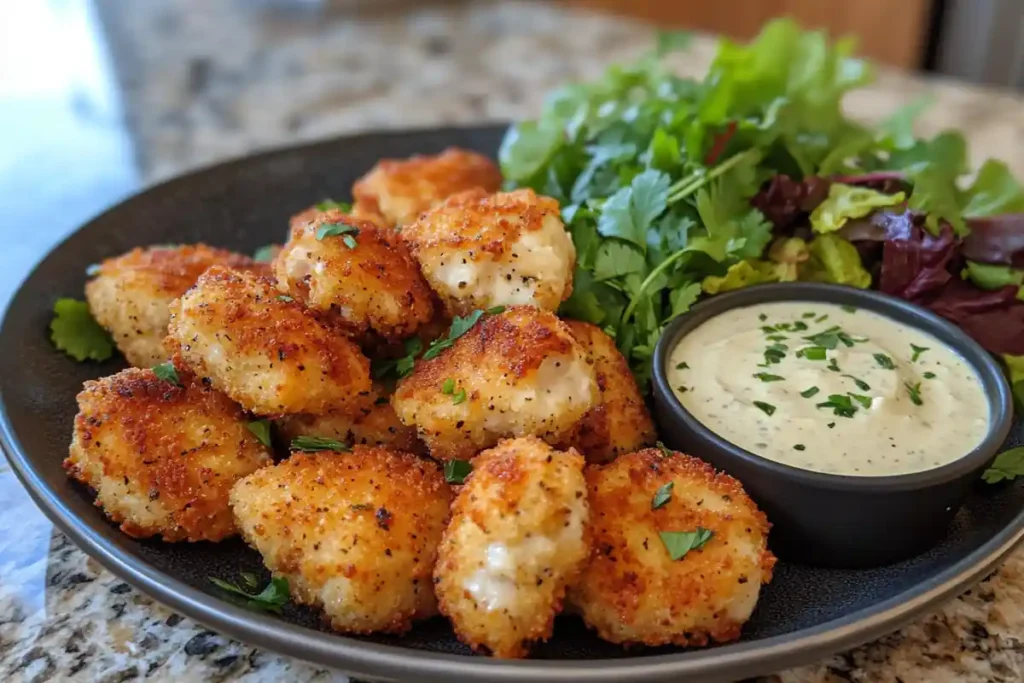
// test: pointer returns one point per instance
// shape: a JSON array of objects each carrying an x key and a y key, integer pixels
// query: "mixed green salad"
[{"x": 675, "y": 188}]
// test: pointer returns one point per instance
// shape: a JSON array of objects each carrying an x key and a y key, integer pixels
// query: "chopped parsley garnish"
[
  {"x": 167, "y": 372},
  {"x": 863, "y": 400},
  {"x": 914, "y": 391},
  {"x": 765, "y": 377},
  {"x": 335, "y": 229},
  {"x": 666, "y": 452},
  {"x": 459, "y": 327},
  {"x": 861, "y": 384},
  {"x": 349, "y": 241},
  {"x": 285, "y": 298},
  {"x": 682, "y": 389},
  {"x": 833, "y": 365},
  {"x": 662, "y": 495},
  {"x": 459, "y": 396},
  {"x": 270, "y": 599},
  {"x": 261, "y": 430},
  {"x": 361, "y": 506},
  {"x": 840, "y": 404},
  {"x": 74, "y": 331},
  {"x": 800, "y": 326},
  {"x": 831, "y": 338},
  {"x": 929, "y": 375},
  {"x": 329, "y": 204},
  {"x": 848, "y": 308},
  {"x": 682, "y": 366},
  {"x": 762, "y": 317},
  {"x": 799, "y": 447},
  {"x": 264, "y": 254},
  {"x": 678, "y": 543},
  {"x": 822, "y": 318},
  {"x": 776, "y": 337},
  {"x": 809, "y": 314},
  {"x": 831, "y": 425},
  {"x": 812, "y": 353},
  {"x": 1007, "y": 465},
  {"x": 775, "y": 353},
  {"x": 884, "y": 361},
  {"x": 400, "y": 367},
  {"x": 310, "y": 444},
  {"x": 807, "y": 393},
  {"x": 768, "y": 408},
  {"x": 456, "y": 471},
  {"x": 918, "y": 350},
  {"x": 448, "y": 387}
]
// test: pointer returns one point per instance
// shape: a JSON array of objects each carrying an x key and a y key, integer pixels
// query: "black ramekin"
[{"x": 839, "y": 520}]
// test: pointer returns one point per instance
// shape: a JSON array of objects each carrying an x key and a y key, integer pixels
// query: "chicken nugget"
[
  {"x": 619, "y": 422},
  {"x": 161, "y": 457},
  {"x": 517, "y": 373},
  {"x": 361, "y": 273},
  {"x": 130, "y": 294},
  {"x": 397, "y": 191},
  {"x": 263, "y": 349},
  {"x": 479, "y": 250},
  {"x": 516, "y": 540},
  {"x": 355, "y": 534},
  {"x": 649, "y": 507}
]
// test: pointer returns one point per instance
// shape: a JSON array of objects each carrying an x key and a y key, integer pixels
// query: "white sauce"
[{"x": 886, "y": 433}]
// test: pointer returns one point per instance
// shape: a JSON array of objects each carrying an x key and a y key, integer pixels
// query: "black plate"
[{"x": 803, "y": 615}]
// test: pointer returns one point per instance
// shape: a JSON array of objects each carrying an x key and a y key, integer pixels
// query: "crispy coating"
[
  {"x": 619, "y": 422},
  {"x": 371, "y": 423},
  {"x": 131, "y": 293},
  {"x": 162, "y": 458},
  {"x": 271, "y": 355},
  {"x": 516, "y": 540},
  {"x": 479, "y": 250},
  {"x": 631, "y": 591},
  {"x": 355, "y": 534},
  {"x": 367, "y": 278},
  {"x": 522, "y": 373},
  {"x": 399, "y": 190}
]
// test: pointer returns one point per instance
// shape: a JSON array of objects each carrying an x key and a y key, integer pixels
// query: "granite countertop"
[{"x": 203, "y": 80}]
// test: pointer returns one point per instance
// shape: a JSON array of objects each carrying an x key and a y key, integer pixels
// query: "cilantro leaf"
[
  {"x": 679, "y": 543},
  {"x": 615, "y": 258},
  {"x": 74, "y": 331},
  {"x": 1007, "y": 465},
  {"x": 168, "y": 373},
  {"x": 265, "y": 254},
  {"x": 334, "y": 229},
  {"x": 662, "y": 495},
  {"x": 261, "y": 430},
  {"x": 460, "y": 326},
  {"x": 456, "y": 471},
  {"x": 271, "y": 599}
]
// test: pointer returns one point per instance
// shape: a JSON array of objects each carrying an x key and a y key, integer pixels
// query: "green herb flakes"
[
  {"x": 812, "y": 353},
  {"x": 682, "y": 366},
  {"x": 334, "y": 229},
  {"x": 261, "y": 430},
  {"x": 311, "y": 444},
  {"x": 459, "y": 396},
  {"x": 167, "y": 372},
  {"x": 456, "y": 471},
  {"x": 765, "y": 377},
  {"x": 918, "y": 350},
  {"x": 330, "y": 204},
  {"x": 767, "y": 408},
  {"x": 807, "y": 393},
  {"x": 929, "y": 375},
  {"x": 799, "y": 447},
  {"x": 914, "y": 391},
  {"x": 448, "y": 387},
  {"x": 860, "y": 384},
  {"x": 884, "y": 361},
  {"x": 270, "y": 599},
  {"x": 662, "y": 495},
  {"x": 679, "y": 543},
  {"x": 840, "y": 404}
]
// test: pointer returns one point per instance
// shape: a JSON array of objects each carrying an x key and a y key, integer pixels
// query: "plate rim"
[{"x": 723, "y": 662}]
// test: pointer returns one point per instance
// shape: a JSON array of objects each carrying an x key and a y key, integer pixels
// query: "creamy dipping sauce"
[{"x": 830, "y": 388}]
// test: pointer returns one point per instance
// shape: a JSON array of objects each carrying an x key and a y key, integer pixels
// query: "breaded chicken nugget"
[
  {"x": 479, "y": 250},
  {"x": 399, "y": 190},
  {"x": 518, "y": 373},
  {"x": 162, "y": 458},
  {"x": 262, "y": 349},
  {"x": 619, "y": 422},
  {"x": 354, "y": 533},
  {"x": 131, "y": 293},
  {"x": 516, "y": 540},
  {"x": 631, "y": 590},
  {"x": 357, "y": 271},
  {"x": 372, "y": 423}
]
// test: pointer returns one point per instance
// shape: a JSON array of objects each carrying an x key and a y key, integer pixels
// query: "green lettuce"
[
  {"x": 833, "y": 259},
  {"x": 987, "y": 276},
  {"x": 740, "y": 275},
  {"x": 1015, "y": 365},
  {"x": 847, "y": 201}
]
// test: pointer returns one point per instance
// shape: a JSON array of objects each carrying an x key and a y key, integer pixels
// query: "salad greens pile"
[{"x": 668, "y": 185}]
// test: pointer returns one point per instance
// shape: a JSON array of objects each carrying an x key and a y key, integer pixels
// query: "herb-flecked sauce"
[{"x": 830, "y": 388}]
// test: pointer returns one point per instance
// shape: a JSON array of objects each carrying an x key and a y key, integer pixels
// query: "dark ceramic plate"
[{"x": 803, "y": 615}]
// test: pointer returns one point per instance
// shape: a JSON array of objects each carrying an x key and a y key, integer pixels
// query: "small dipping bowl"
[{"x": 837, "y": 520}]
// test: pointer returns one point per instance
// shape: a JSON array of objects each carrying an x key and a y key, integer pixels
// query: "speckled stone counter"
[{"x": 204, "y": 80}]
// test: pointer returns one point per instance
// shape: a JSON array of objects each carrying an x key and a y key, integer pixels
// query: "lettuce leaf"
[
  {"x": 833, "y": 259},
  {"x": 848, "y": 201},
  {"x": 740, "y": 275},
  {"x": 1015, "y": 365},
  {"x": 987, "y": 276},
  {"x": 994, "y": 192}
]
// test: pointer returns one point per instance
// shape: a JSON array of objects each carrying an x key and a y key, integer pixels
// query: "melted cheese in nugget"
[
  {"x": 518, "y": 373},
  {"x": 162, "y": 458},
  {"x": 269, "y": 354},
  {"x": 130, "y": 294},
  {"x": 357, "y": 271},
  {"x": 372, "y": 423},
  {"x": 355, "y": 534},
  {"x": 479, "y": 250},
  {"x": 516, "y": 540},
  {"x": 619, "y": 422},
  {"x": 399, "y": 190},
  {"x": 632, "y": 591}
]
